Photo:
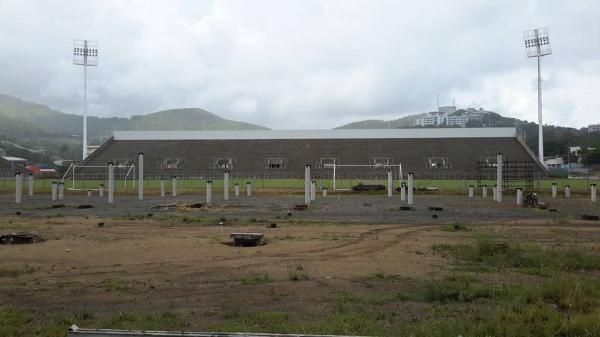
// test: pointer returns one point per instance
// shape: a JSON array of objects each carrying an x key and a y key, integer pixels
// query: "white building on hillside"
[
  {"x": 594, "y": 128},
  {"x": 457, "y": 120},
  {"x": 432, "y": 119}
]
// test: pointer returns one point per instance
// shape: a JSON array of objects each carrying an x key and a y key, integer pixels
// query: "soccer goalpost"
[
  {"x": 334, "y": 165},
  {"x": 82, "y": 180}
]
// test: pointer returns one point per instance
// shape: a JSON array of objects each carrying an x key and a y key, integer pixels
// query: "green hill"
[
  {"x": 39, "y": 133},
  {"x": 557, "y": 139}
]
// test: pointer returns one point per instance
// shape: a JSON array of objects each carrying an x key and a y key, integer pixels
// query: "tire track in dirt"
[{"x": 342, "y": 250}]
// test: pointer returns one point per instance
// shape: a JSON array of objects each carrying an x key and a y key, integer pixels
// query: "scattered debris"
[
  {"x": 273, "y": 225},
  {"x": 366, "y": 204},
  {"x": 531, "y": 200},
  {"x": 589, "y": 217},
  {"x": 100, "y": 224},
  {"x": 427, "y": 189},
  {"x": 289, "y": 214},
  {"x": 300, "y": 207},
  {"x": 434, "y": 216},
  {"x": 436, "y": 209},
  {"x": 552, "y": 210},
  {"x": 405, "y": 208},
  {"x": 20, "y": 238},
  {"x": 18, "y": 213},
  {"x": 173, "y": 205},
  {"x": 68, "y": 250},
  {"x": 372, "y": 187},
  {"x": 84, "y": 206},
  {"x": 247, "y": 239},
  {"x": 196, "y": 205},
  {"x": 58, "y": 206}
]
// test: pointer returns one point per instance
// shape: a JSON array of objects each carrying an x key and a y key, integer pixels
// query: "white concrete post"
[
  {"x": 54, "y": 191},
  {"x": 89, "y": 193},
  {"x": 313, "y": 191},
  {"x": 101, "y": 190},
  {"x": 410, "y": 189},
  {"x": 30, "y": 184},
  {"x": 593, "y": 192},
  {"x": 226, "y": 186},
  {"x": 402, "y": 192},
  {"x": 111, "y": 183},
  {"x": 249, "y": 189},
  {"x": 237, "y": 189},
  {"x": 208, "y": 191},
  {"x": 390, "y": 184},
  {"x": 162, "y": 187},
  {"x": 324, "y": 192},
  {"x": 61, "y": 190},
  {"x": 470, "y": 191},
  {"x": 174, "y": 187},
  {"x": 484, "y": 191},
  {"x": 567, "y": 191},
  {"x": 307, "y": 185},
  {"x": 554, "y": 190},
  {"x": 18, "y": 187},
  {"x": 140, "y": 176},
  {"x": 495, "y": 192},
  {"x": 499, "y": 162},
  {"x": 519, "y": 196}
]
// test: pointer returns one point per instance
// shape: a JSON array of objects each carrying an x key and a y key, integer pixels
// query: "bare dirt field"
[{"x": 354, "y": 264}]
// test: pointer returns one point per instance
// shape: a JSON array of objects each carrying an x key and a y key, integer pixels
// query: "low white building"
[{"x": 554, "y": 162}]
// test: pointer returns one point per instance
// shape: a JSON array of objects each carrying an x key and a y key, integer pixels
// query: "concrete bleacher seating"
[{"x": 200, "y": 157}]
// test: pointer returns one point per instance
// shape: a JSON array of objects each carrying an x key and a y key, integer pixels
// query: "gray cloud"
[{"x": 303, "y": 64}]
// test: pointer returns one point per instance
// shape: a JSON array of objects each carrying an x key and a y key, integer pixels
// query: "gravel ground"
[{"x": 363, "y": 208}]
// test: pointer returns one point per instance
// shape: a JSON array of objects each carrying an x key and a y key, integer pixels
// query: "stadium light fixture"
[
  {"x": 537, "y": 44},
  {"x": 85, "y": 53}
]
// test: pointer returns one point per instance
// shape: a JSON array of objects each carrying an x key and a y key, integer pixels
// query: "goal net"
[{"x": 83, "y": 177}]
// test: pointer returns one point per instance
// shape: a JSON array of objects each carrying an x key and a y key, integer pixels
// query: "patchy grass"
[
  {"x": 344, "y": 320},
  {"x": 144, "y": 321},
  {"x": 257, "y": 279},
  {"x": 117, "y": 285},
  {"x": 455, "y": 227},
  {"x": 490, "y": 254},
  {"x": 15, "y": 272},
  {"x": 17, "y": 323},
  {"x": 297, "y": 274}
]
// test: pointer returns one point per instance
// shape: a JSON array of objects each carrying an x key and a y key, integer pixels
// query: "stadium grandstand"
[{"x": 448, "y": 153}]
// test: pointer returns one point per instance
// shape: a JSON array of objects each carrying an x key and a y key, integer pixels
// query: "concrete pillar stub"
[
  {"x": 499, "y": 167},
  {"x": 140, "y": 176},
  {"x": 30, "y": 184},
  {"x": 18, "y": 187},
  {"x": 111, "y": 183},
  {"x": 410, "y": 189},
  {"x": 208, "y": 191}
]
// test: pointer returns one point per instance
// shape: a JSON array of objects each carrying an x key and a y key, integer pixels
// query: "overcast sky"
[{"x": 304, "y": 64}]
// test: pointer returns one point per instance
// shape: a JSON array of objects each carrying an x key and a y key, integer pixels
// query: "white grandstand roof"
[{"x": 319, "y": 134}]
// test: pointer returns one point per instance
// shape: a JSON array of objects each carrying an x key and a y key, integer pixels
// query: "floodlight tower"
[
  {"x": 537, "y": 44},
  {"x": 85, "y": 53}
]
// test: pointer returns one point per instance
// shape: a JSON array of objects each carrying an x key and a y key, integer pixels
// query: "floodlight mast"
[
  {"x": 85, "y": 53},
  {"x": 537, "y": 44}
]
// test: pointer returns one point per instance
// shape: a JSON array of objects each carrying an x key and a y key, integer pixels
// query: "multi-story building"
[
  {"x": 457, "y": 120},
  {"x": 594, "y": 128},
  {"x": 432, "y": 119}
]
